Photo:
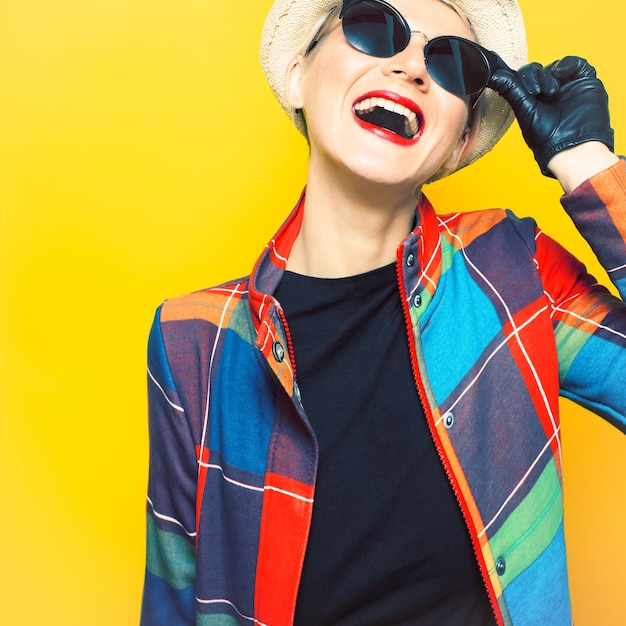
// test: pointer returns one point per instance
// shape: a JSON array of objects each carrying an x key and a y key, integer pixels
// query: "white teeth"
[{"x": 368, "y": 104}]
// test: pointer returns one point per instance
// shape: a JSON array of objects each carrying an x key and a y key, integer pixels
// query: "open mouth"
[{"x": 389, "y": 115}]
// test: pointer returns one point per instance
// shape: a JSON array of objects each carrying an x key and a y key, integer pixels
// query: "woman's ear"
[
  {"x": 295, "y": 75},
  {"x": 465, "y": 143}
]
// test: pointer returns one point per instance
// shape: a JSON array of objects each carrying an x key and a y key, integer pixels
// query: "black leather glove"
[{"x": 557, "y": 107}]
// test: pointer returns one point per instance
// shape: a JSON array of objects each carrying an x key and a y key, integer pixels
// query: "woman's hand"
[{"x": 559, "y": 108}]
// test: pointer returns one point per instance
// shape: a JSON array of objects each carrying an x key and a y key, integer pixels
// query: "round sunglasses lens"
[
  {"x": 374, "y": 30},
  {"x": 457, "y": 65}
]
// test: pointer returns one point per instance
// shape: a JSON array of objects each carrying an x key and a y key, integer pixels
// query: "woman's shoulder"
[
  {"x": 194, "y": 321},
  {"x": 487, "y": 224},
  {"x": 481, "y": 219},
  {"x": 210, "y": 303}
]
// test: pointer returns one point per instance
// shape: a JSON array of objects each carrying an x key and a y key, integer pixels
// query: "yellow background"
[{"x": 141, "y": 156}]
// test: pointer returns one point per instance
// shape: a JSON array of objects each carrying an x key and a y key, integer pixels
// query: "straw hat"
[{"x": 497, "y": 24}]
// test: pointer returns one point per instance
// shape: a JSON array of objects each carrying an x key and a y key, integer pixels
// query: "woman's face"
[{"x": 337, "y": 86}]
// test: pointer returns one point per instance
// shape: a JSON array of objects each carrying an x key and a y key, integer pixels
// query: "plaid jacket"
[{"x": 500, "y": 320}]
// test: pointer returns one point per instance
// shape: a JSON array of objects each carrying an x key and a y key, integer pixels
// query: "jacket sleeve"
[
  {"x": 168, "y": 596},
  {"x": 589, "y": 322}
]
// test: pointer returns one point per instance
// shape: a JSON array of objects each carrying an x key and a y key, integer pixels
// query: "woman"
[{"x": 366, "y": 430}]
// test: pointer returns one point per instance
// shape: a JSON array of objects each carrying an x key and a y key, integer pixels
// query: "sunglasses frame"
[{"x": 491, "y": 60}]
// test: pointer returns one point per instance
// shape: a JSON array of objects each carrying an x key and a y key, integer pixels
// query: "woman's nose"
[{"x": 409, "y": 63}]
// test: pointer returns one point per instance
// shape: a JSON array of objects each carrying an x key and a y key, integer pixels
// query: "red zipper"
[
  {"x": 290, "y": 350},
  {"x": 442, "y": 457}
]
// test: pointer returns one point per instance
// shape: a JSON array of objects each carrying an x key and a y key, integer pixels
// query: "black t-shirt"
[{"x": 388, "y": 544}]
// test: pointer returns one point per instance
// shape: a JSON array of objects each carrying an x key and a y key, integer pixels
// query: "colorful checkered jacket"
[{"x": 500, "y": 321}]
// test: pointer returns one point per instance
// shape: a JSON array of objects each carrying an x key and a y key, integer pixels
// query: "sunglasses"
[{"x": 377, "y": 29}]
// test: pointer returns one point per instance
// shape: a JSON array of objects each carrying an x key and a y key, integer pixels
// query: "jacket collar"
[{"x": 423, "y": 242}]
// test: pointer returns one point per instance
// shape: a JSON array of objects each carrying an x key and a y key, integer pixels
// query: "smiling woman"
[
  {"x": 329, "y": 89},
  {"x": 366, "y": 429}
]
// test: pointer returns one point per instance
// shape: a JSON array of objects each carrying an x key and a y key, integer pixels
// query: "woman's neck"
[{"x": 350, "y": 226}]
